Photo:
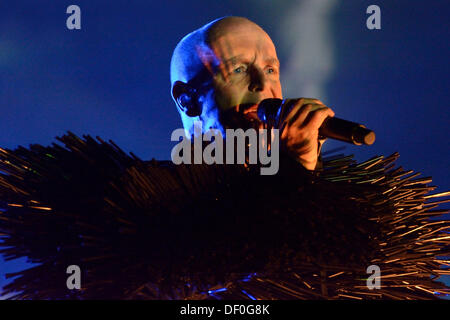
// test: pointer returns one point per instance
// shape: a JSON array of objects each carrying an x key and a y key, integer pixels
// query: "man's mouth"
[
  {"x": 244, "y": 115},
  {"x": 251, "y": 108},
  {"x": 251, "y": 112}
]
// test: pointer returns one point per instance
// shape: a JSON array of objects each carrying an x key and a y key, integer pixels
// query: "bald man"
[{"x": 221, "y": 71}]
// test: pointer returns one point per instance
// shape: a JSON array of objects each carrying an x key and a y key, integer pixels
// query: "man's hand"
[{"x": 299, "y": 130}]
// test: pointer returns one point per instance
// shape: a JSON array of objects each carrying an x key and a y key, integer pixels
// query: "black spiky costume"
[{"x": 153, "y": 230}]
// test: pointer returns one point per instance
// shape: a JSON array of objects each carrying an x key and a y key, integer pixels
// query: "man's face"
[{"x": 248, "y": 69}]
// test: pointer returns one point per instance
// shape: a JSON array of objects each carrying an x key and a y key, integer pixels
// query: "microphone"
[{"x": 269, "y": 111}]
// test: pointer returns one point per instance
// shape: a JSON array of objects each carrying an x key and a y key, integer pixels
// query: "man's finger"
[
  {"x": 311, "y": 101},
  {"x": 291, "y": 107},
  {"x": 317, "y": 117},
  {"x": 299, "y": 114},
  {"x": 304, "y": 113}
]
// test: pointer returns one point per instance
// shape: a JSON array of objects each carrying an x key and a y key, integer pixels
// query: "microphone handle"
[
  {"x": 346, "y": 131},
  {"x": 269, "y": 111}
]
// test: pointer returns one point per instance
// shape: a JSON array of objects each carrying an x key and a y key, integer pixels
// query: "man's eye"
[
  {"x": 240, "y": 69},
  {"x": 270, "y": 70}
]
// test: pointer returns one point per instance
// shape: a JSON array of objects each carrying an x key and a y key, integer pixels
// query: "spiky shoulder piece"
[{"x": 153, "y": 230}]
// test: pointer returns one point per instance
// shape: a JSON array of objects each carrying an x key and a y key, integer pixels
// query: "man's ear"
[{"x": 186, "y": 99}]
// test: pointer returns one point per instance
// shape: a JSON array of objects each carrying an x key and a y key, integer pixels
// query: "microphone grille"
[{"x": 268, "y": 109}]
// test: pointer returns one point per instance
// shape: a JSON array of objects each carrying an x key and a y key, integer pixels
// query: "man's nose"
[{"x": 257, "y": 80}]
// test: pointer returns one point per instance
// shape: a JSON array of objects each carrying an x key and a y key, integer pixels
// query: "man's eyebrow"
[
  {"x": 273, "y": 61},
  {"x": 232, "y": 60}
]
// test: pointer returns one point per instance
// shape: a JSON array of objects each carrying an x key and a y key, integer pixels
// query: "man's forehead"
[
  {"x": 229, "y": 39},
  {"x": 231, "y": 48},
  {"x": 231, "y": 25}
]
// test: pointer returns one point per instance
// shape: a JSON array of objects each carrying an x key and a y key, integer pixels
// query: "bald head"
[
  {"x": 193, "y": 57},
  {"x": 228, "y": 63}
]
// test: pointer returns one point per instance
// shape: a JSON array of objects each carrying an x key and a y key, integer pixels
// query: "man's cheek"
[
  {"x": 276, "y": 89},
  {"x": 228, "y": 99}
]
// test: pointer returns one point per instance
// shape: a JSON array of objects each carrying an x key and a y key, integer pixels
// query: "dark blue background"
[{"x": 111, "y": 78}]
